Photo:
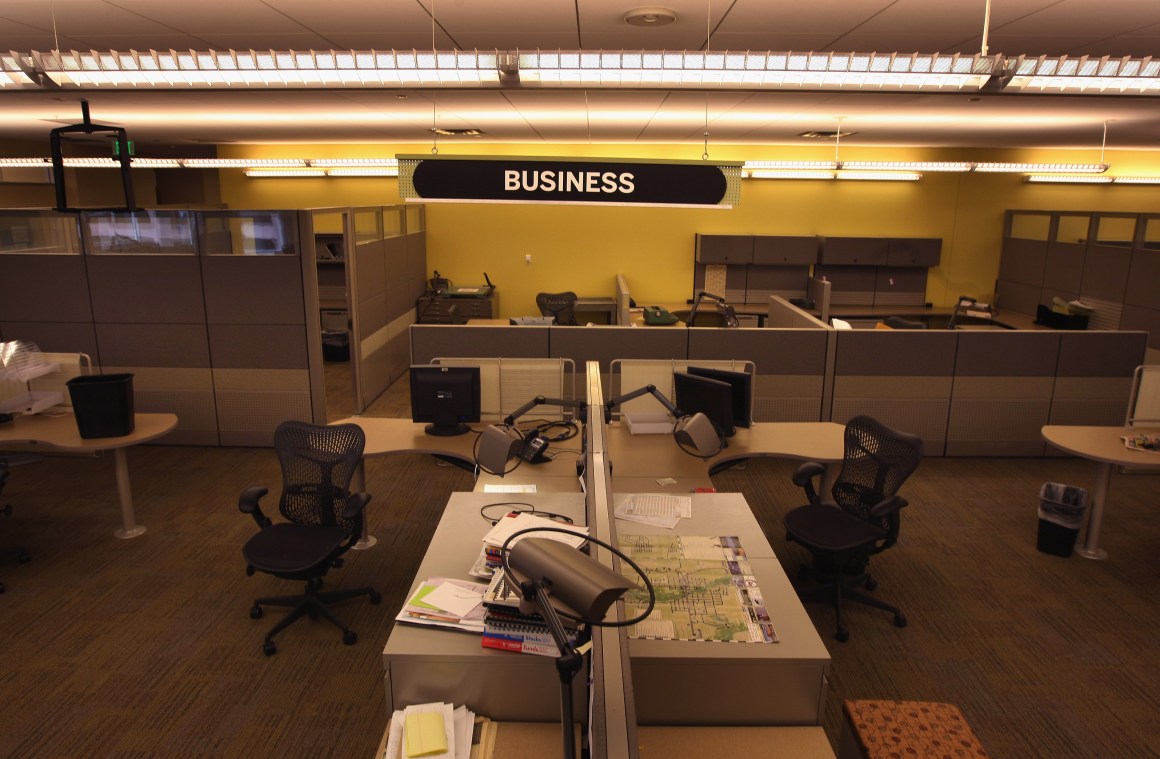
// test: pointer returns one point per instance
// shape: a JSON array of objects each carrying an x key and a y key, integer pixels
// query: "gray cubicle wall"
[
  {"x": 789, "y": 381},
  {"x": 429, "y": 341},
  {"x": 1004, "y": 382},
  {"x": 606, "y": 344},
  {"x": 1093, "y": 376},
  {"x": 904, "y": 378}
]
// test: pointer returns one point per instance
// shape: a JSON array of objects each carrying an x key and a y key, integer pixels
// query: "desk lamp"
[
  {"x": 723, "y": 308},
  {"x": 695, "y": 434},
  {"x": 542, "y": 567},
  {"x": 499, "y": 444}
]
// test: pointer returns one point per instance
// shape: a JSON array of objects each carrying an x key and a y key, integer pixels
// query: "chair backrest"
[
  {"x": 562, "y": 306},
  {"x": 877, "y": 460},
  {"x": 318, "y": 462},
  {"x": 897, "y": 322}
]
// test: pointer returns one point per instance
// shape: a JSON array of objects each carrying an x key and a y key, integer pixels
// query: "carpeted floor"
[{"x": 145, "y": 648}]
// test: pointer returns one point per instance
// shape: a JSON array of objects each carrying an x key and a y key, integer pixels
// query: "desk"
[
  {"x": 1102, "y": 445},
  {"x": 60, "y": 433},
  {"x": 423, "y": 664},
  {"x": 739, "y": 683},
  {"x": 603, "y": 305}
]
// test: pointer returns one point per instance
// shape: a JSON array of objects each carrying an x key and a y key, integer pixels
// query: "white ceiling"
[{"x": 1017, "y": 27}]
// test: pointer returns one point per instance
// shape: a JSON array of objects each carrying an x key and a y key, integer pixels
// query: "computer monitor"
[
  {"x": 742, "y": 383},
  {"x": 445, "y": 397},
  {"x": 711, "y": 397}
]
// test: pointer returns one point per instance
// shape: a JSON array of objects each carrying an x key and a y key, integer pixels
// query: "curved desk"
[
  {"x": 1102, "y": 445},
  {"x": 60, "y": 433}
]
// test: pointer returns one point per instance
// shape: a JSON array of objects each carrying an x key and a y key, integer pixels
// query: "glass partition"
[
  {"x": 1030, "y": 226},
  {"x": 1116, "y": 231},
  {"x": 248, "y": 233},
  {"x": 367, "y": 225},
  {"x": 416, "y": 218},
  {"x": 40, "y": 232},
  {"x": 1073, "y": 228},
  {"x": 152, "y": 232},
  {"x": 393, "y": 225},
  {"x": 1152, "y": 233}
]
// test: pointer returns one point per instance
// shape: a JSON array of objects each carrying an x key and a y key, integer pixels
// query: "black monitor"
[
  {"x": 445, "y": 397},
  {"x": 742, "y": 383},
  {"x": 711, "y": 397}
]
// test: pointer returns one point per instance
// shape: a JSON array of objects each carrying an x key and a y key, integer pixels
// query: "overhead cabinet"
[
  {"x": 855, "y": 251},
  {"x": 724, "y": 249},
  {"x": 775, "y": 250},
  {"x": 914, "y": 251}
]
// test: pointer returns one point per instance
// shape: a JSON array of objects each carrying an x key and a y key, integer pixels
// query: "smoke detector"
[{"x": 655, "y": 16}]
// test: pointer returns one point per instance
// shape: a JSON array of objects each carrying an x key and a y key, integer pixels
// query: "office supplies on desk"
[
  {"x": 659, "y": 509},
  {"x": 446, "y": 602},
  {"x": 433, "y": 729}
]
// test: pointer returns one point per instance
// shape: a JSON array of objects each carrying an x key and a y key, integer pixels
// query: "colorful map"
[{"x": 705, "y": 590}]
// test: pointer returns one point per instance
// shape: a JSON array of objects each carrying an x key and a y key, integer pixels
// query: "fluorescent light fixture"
[
  {"x": 270, "y": 173},
  {"x": 1085, "y": 75},
  {"x": 880, "y": 176},
  {"x": 369, "y": 171},
  {"x": 783, "y": 165},
  {"x": 1066, "y": 179},
  {"x": 242, "y": 163},
  {"x": 327, "y": 163},
  {"x": 789, "y": 174},
  {"x": 1135, "y": 180},
  {"x": 25, "y": 163},
  {"x": 947, "y": 166},
  {"x": 1025, "y": 168}
]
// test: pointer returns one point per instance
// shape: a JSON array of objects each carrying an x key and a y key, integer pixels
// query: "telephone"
[
  {"x": 438, "y": 284},
  {"x": 658, "y": 315},
  {"x": 535, "y": 445}
]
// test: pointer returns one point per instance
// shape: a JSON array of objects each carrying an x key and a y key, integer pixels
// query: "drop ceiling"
[{"x": 1074, "y": 28}]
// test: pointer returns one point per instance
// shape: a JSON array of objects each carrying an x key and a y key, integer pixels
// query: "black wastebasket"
[
  {"x": 335, "y": 345},
  {"x": 102, "y": 404},
  {"x": 1061, "y": 513}
]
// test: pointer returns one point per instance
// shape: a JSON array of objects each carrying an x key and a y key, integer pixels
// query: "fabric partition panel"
[
  {"x": 1094, "y": 376},
  {"x": 430, "y": 341},
  {"x": 903, "y": 378},
  {"x": 1004, "y": 381},
  {"x": 606, "y": 344}
]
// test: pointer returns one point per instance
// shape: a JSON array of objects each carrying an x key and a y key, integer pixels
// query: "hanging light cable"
[
  {"x": 434, "y": 106},
  {"x": 708, "y": 41}
]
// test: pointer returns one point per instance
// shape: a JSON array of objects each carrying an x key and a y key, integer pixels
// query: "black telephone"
[
  {"x": 535, "y": 445},
  {"x": 438, "y": 284}
]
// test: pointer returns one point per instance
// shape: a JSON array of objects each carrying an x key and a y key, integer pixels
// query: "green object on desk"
[{"x": 658, "y": 315}]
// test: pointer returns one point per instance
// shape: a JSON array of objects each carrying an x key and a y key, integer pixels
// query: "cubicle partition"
[
  {"x": 430, "y": 341},
  {"x": 1093, "y": 377},
  {"x": 603, "y": 345},
  {"x": 902, "y": 378},
  {"x": 790, "y": 367}
]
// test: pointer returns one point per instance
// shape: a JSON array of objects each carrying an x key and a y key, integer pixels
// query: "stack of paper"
[
  {"x": 446, "y": 602},
  {"x": 430, "y": 730},
  {"x": 657, "y": 509},
  {"x": 490, "y": 558}
]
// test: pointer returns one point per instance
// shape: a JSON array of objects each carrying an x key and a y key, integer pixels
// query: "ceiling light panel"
[{"x": 1106, "y": 75}]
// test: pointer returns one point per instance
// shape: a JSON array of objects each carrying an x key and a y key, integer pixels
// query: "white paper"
[
  {"x": 489, "y": 487},
  {"x": 395, "y": 737},
  {"x": 509, "y": 525},
  {"x": 456, "y": 599}
]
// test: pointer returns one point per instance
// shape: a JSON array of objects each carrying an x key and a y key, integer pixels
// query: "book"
[{"x": 521, "y": 644}]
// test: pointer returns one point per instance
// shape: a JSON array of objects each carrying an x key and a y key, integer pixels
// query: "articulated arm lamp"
[
  {"x": 499, "y": 444},
  {"x": 695, "y": 433}
]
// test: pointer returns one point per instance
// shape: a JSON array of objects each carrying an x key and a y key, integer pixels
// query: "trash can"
[
  {"x": 1061, "y": 513},
  {"x": 335, "y": 345},
  {"x": 102, "y": 404}
]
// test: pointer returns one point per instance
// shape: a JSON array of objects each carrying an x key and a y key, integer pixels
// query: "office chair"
[
  {"x": 324, "y": 521},
  {"x": 561, "y": 306},
  {"x": 19, "y": 553},
  {"x": 842, "y": 539},
  {"x": 897, "y": 322}
]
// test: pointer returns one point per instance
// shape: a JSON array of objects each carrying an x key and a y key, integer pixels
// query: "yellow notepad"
[{"x": 425, "y": 734}]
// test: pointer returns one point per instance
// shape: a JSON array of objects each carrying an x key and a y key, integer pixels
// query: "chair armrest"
[
  {"x": 804, "y": 477},
  {"x": 355, "y": 505},
  {"x": 888, "y": 507},
  {"x": 248, "y": 504}
]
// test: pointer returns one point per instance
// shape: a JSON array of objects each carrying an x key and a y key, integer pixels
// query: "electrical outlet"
[{"x": 527, "y": 258}]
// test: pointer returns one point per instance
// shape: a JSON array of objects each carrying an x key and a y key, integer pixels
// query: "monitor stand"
[{"x": 447, "y": 430}]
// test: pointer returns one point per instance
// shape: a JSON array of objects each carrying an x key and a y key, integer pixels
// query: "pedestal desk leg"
[
  {"x": 358, "y": 484},
  {"x": 129, "y": 526},
  {"x": 1091, "y": 544}
]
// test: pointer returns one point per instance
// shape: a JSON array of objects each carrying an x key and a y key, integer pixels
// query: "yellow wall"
[{"x": 583, "y": 247}]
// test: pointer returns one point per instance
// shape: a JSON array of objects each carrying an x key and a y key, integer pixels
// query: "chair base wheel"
[
  {"x": 349, "y": 637},
  {"x": 255, "y": 612},
  {"x": 871, "y": 584},
  {"x": 842, "y": 635},
  {"x": 269, "y": 648},
  {"x": 900, "y": 620}
]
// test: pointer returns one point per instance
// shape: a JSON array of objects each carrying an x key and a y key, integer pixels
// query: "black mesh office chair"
[
  {"x": 561, "y": 306},
  {"x": 324, "y": 521},
  {"x": 19, "y": 553},
  {"x": 842, "y": 539}
]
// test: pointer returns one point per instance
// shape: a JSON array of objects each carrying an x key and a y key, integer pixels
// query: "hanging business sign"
[{"x": 582, "y": 181}]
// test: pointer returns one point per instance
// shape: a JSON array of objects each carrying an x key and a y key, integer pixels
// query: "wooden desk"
[
  {"x": 1104, "y": 446},
  {"x": 60, "y": 433}
]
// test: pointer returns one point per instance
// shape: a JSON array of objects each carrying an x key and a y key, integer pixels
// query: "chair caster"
[
  {"x": 375, "y": 597},
  {"x": 871, "y": 583},
  {"x": 269, "y": 648},
  {"x": 255, "y": 612},
  {"x": 349, "y": 637},
  {"x": 900, "y": 620},
  {"x": 842, "y": 635}
]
